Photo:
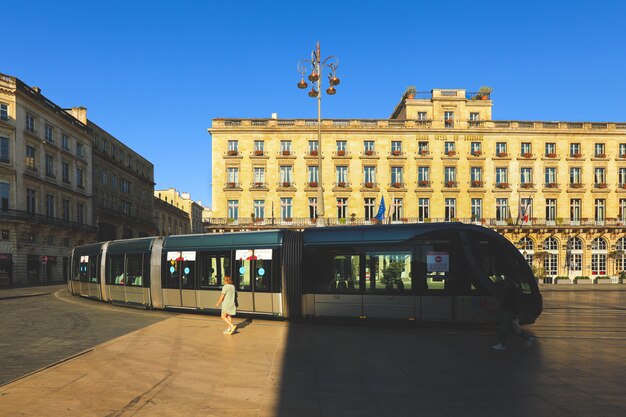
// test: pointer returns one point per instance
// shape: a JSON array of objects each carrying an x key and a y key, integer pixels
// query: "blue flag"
[{"x": 381, "y": 210}]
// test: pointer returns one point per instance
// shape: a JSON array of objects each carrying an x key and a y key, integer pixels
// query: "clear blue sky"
[{"x": 155, "y": 73}]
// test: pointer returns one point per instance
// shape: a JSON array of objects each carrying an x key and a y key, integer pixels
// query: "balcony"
[
  {"x": 370, "y": 184},
  {"x": 397, "y": 185},
  {"x": 18, "y": 215},
  {"x": 477, "y": 184},
  {"x": 450, "y": 184},
  {"x": 477, "y": 153},
  {"x": 231, "y": 185},
  {"x": 423, "y": 183},
  {"x": 502, "y": 185},
  {"x": 527, "y": 185}
]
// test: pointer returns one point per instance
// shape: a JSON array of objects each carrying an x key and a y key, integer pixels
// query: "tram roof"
[
  {"x": 225, "y": 241},
  {"x": 88, "y": 249},
  {"x": 143, "y": 244},
  {"x": 397, "y": 233}
]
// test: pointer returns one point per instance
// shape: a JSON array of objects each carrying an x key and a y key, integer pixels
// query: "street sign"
[{"x": 44, "y": 259}]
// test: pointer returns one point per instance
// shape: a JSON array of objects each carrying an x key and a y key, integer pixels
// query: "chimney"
[
  {"x": 36, "y": 89},
  {"x": 79, "y": 113},
  {"x": 274, "y": 116}
]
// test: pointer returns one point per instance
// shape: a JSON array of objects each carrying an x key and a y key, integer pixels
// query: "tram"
[{"x": 429, "y": 271}]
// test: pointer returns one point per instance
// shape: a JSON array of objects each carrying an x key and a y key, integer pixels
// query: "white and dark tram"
[{"x": 429, "y": 271}]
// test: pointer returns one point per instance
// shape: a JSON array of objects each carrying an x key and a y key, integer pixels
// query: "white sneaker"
[
  {"x": 530, "y": 341},
  {"x": 499, "y": 346},
  {"x": 227, "y": 331}
]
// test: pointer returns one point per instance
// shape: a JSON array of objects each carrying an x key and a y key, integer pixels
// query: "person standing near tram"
[{"x": 229, "y": 307}]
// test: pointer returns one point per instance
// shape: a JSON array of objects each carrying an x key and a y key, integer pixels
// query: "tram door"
[
  {"x": 180, "y": 271},
  {"x": 253, "y": 280}
]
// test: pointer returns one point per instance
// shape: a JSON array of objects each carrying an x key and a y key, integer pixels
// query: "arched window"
[
  {"x": 527, "y": 247},
  {"x": 574, "y": 256},
  {"x": 551, "y": 259},
  {"x": 598, "y": 256}
]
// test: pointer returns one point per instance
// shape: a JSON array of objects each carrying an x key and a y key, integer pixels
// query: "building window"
[
  {"x": 622, "y": 210},
  {"x": 286, "y": 175},
  {"x": 599, "y": 177},
  {"x": 342, "y": 208},
  {"x": 423, "y": 209},
  {"x": 31, "y": 201},
  {"x": 66, "y": 210},
  {"x": 49, "y": 205},
  {"x": 312, "y": 208},
  {"x": 599, "y": 150},
  {"x": 550, "y": 177},
  {"x": 502, "y": 176},
  {"x": 50, "y": 166},
  {"x": 449, "y": 148},
  {"x": 448, "y": 119},
  {"x": 501, "y": 149},
  {"x": 551, "y": 260},
  {"x": 233, "y": 147},
  {"x": 313, "y": 147},
  {"x": 422, "y": 116},
  {"x": 423, "y": 176},
  {"x": 104, "y": 179},
  {"x": 396, "y": 147},
  {"x": 397, "y": 176},
  {"x": 574, "y": 211},
  {"x": 5, "y": 190},
  {"x": 450, "y": 209},
  {"x": 370, "y": 208},
  {"x": 313, "y": 175},
  {"x": 621, "y": 177},
  {"x": 397, "y": 208},
  {"x": 620, "y": 259},
  {"x": 4, "y": 111},
  {"x": 526, "y": 176},
  {"x": 126, "y": 209},
  {"x": 422, "y": 147},
  {"x": 285, "y": 208},
  {"x": 342, "y": 147},
  {"x": 600, "y": 211},
  {"x": 65, "y": 172},
  {"x": 476, "y": 148},
  {"x": 502, "y": 210},
  {"x": 232, "y": 176},
  {"x": 575, "y": 175},
  {"x": 550, "y": 150},
  {"x": 341, "y": 175},
  {"x": 259, "y": 176},
  {"x": 65, "y": 142},
  {"x": 477, "y": 209},
  {"x": 233, "y": 209},
  {"x": 528, "y": 249},
  {"x": 622, "y": 150},
  {"x": 526, "y": 149},
  {"x": 30, "y": 123},
  {"x": 574, "y": 150},
  {"x": 574, "y": 256},
  {"x": 125, "y": 184},
  {"x": 49, "y": 133},
  {"x": 474, "y": 117},
  {"x": 369, "y": 176},
  {"x": 285, "y": 147},
  {"x": 80, "y": 150},
  {"x": 449, "y": 176},
  {"x": 4, "y": 150},
  {"x": 476, "y": 176},
  {"x": 80, "y": 180},
  {"x": 598, "y": 256},
  {"x": 551, "y": 210},
  {"x": 259, "y": 209},
  {"x": 259, "y": 147},
  {"x": 525, "y": 210},
  {"x": 30, "y": 158}
]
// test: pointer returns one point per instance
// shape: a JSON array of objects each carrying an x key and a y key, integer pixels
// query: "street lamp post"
[{"x": 316, "y": 65}]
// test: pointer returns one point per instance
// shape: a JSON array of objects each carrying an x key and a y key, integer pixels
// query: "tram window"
[
  {"x": 134, "y": 270},
  {"x": 188, "y": 273},
  {"x": 116, "y": 270},
  {"x": 211, "y": 270},
  {"x": 93, "y": 269},
  {"x": 433, "y": 267},
  {"x": 170, "y": 273},
  {"x": 342, "y": 277},
  {"x": 388, "y": 272},
  {"x": 262, "y": 275}
]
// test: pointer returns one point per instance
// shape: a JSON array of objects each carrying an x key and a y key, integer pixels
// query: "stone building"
[
  {"x": 170, "y": 219},
  {"x": 556, "y": 189},
  {"x": 45, "y": 185},
  {"x": 185, "y": 203}
]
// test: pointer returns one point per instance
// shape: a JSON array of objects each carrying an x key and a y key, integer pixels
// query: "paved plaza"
[{"x": 148, "y": 363}]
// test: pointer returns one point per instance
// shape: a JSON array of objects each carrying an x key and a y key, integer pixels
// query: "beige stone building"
[
  {"x": 185, "y": 203},
  {"x": 170, "y": 219},
  {"x": 557, "y": 189},
  {"x": 45, "y": 185}
]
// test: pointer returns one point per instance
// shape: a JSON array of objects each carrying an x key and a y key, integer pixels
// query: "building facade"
[
  {"x": 123, "y": 188},
  {"x": 45, "y": 185},
  {"x": 556, "y": 189},
  {"x": 185, "y": 203},
  {"x": 169, "y": 219}
]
